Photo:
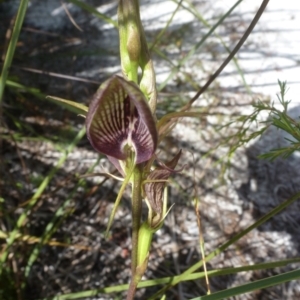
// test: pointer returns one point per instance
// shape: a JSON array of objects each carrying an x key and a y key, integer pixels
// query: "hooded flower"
[
  {"x": 157, "y": 182},
  {"x": 120, "y": 122}
]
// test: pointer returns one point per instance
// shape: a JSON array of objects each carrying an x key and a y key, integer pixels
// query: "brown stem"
[
  {"x": 131, "y": 290},
  {"x": 230, "y": 56}
]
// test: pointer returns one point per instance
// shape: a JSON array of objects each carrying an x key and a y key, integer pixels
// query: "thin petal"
[{"x": 117, "y": 164}]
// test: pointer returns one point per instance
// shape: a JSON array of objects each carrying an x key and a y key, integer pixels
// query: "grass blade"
[
  {"x": 256, "y": 285},
  {"x": 20, "y": 222},
  {"x": 12, "y": 45},
  {"x": 198, "y": 45},
  {"x": 94, "y": 11},
  {"x": 166, "y": 280},
  {"x": 217, "y": 251}
]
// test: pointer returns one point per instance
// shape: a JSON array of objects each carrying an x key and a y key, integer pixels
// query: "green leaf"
[
  {"x": 253, "y": 286},
  {"x": 70, "y": 105},
  {"x": 94, "y": 11},
  {"x": 12, "y": 45}
]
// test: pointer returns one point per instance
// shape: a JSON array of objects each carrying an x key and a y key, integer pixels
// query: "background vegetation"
[{"x": 52, "y": 220}]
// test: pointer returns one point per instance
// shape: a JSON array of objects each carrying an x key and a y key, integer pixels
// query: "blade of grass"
[
  {"x": 253, "y": 286},
  {"x": 197, "y": 46},
  {"x": 22, "y": 219},
  {"x": 217, "y": 251},
  {"x": 161, "y": 33},
  {"x": 230, "y": 56},
  {"x": 95, "y": 12},
  {"x": 165, "y": 280},
  {"x": 12, "y": 45},
  {"x": 194, "y": 11},
  {"x": 201, "y": 241},
  {"x": 51, "y": 226},
  {"x": 35, "y": 240},
  {"x": 34, "y": 91},
  {"x": 72, "y": 106}
]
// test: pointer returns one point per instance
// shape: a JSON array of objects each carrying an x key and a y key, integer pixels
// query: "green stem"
[{"x": 136, "y": 223}]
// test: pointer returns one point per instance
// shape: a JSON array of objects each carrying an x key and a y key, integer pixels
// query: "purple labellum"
[{"x": 119, "y": 120}]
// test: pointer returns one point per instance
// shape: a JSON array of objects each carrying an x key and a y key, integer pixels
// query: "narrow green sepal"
[
  {"x": 119, "y": 197},
  {"x": 78, "y": 108}
]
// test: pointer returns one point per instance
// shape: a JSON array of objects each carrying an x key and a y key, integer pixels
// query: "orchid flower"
[
  {"x": 154, "y": 190},
  {"x": 119, "y": 123}
]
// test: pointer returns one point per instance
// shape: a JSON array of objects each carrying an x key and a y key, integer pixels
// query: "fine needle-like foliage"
[{"x": 282, "y": 121}]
